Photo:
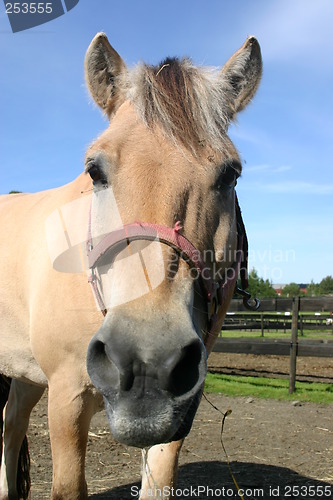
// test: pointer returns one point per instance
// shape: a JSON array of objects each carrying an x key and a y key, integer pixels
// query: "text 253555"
[{"x": 29, "y": 8}]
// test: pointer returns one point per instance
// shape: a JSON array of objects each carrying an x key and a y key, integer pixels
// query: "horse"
[{"x": 114, "y": 287}]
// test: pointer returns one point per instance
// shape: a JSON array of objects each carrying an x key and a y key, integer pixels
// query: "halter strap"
[{"x": 214, "y": 290}]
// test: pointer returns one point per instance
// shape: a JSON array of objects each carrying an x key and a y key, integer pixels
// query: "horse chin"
[{"x": 153, "y": 421}]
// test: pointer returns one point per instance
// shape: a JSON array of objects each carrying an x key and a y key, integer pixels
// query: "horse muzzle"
[{"x": 151, "y": 382}]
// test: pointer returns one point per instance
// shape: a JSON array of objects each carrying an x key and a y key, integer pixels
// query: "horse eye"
[
  {"x": 97, "y": 175},
  {"x": 228, "y": 178}
]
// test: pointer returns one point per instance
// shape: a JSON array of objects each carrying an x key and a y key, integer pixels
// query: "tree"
[
  {"x": 291, "y": 290},
  {"x": 313, "y": 289},
  {"x": 326, "y": 285},
  {"x": 258, "y": 287}
]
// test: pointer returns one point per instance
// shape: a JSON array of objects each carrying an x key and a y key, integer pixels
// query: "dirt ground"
[
  {"x": 308, "y": 369},
  {"x": 276, "y": 449}
]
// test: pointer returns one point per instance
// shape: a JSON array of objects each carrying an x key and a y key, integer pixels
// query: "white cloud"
[
  {"x": 273, "y": 179},
  {"x": 298, "y": 30},
  {"x": 265, "y": 168},
  {"x": 300, "y": 187},
  {"x": 250, "y": 134},
  {"x": 289, "y": 187}
]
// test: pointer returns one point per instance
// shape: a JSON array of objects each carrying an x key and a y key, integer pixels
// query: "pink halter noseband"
[{"x": 214, "y": 291}]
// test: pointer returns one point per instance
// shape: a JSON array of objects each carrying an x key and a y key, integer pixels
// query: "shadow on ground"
[{"x": 257, "y": 481}]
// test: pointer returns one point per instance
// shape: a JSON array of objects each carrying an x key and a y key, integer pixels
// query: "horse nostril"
[
  {"x": 99, "y": 366},
  {"x": 182, "y": 371},
  {"x": 109, "y": 368},
  {"x": 97, "y": 353}
]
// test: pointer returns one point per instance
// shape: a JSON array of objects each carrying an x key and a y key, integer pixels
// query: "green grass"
[
  {"x": 258, "y": 387},
  {"x": 308, "y": 334}
]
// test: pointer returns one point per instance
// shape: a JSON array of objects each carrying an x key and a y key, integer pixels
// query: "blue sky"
[{"x": 285, "y": 137}]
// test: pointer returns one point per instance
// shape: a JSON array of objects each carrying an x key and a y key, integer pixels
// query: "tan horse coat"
[{"x": 158, "y": 171}]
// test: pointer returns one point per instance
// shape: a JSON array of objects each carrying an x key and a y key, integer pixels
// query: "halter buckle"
[{"x": 250, "y": 303}]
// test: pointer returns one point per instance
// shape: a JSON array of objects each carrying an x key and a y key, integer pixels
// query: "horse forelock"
[{"x": 191, "y": 104}]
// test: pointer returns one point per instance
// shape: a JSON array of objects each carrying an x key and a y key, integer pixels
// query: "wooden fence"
[
  {"x": 281, "y": 304},
  {"x": 294, "y": 322}
]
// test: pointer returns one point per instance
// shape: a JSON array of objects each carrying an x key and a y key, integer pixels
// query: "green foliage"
[
  {"x": 326, "y": 285},
  {"x": 14, "y": 192},
  {"x": 313, "y": 289},
  {"x": 291, "y": 290},
  {"x": 258, "y": 287}
]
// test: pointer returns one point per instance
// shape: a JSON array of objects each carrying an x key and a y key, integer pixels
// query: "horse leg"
[
  {"x": 70, "y": 411},
  {"x": 21, "y": 400},
  {"x": 159, "y": 470}
]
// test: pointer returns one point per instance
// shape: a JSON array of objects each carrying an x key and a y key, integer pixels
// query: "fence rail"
[
  {"x": 306, "y": 304},
  {"x": 265, "y": 321},
  {"x": 280, "y": 347}
]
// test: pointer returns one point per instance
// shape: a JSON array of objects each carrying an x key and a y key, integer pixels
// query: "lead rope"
[
  {"x": 250, "y": 303},
  {"x": 224, "y": 416}
]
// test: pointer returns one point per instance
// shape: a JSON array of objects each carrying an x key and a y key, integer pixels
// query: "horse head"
[{"x": 164, "y": 231}]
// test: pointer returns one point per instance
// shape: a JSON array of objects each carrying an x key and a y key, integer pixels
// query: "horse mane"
[{"x": 192, "y": 104}]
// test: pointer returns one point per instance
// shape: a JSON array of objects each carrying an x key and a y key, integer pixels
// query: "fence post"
[
  {"x": 293, "y": 345},
  {"x": 262, "y": 324}
]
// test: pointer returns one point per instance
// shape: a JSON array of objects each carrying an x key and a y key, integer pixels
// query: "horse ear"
[
  {"x": 243, "y": 73},
  {"x": 103, "y": 71}
]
